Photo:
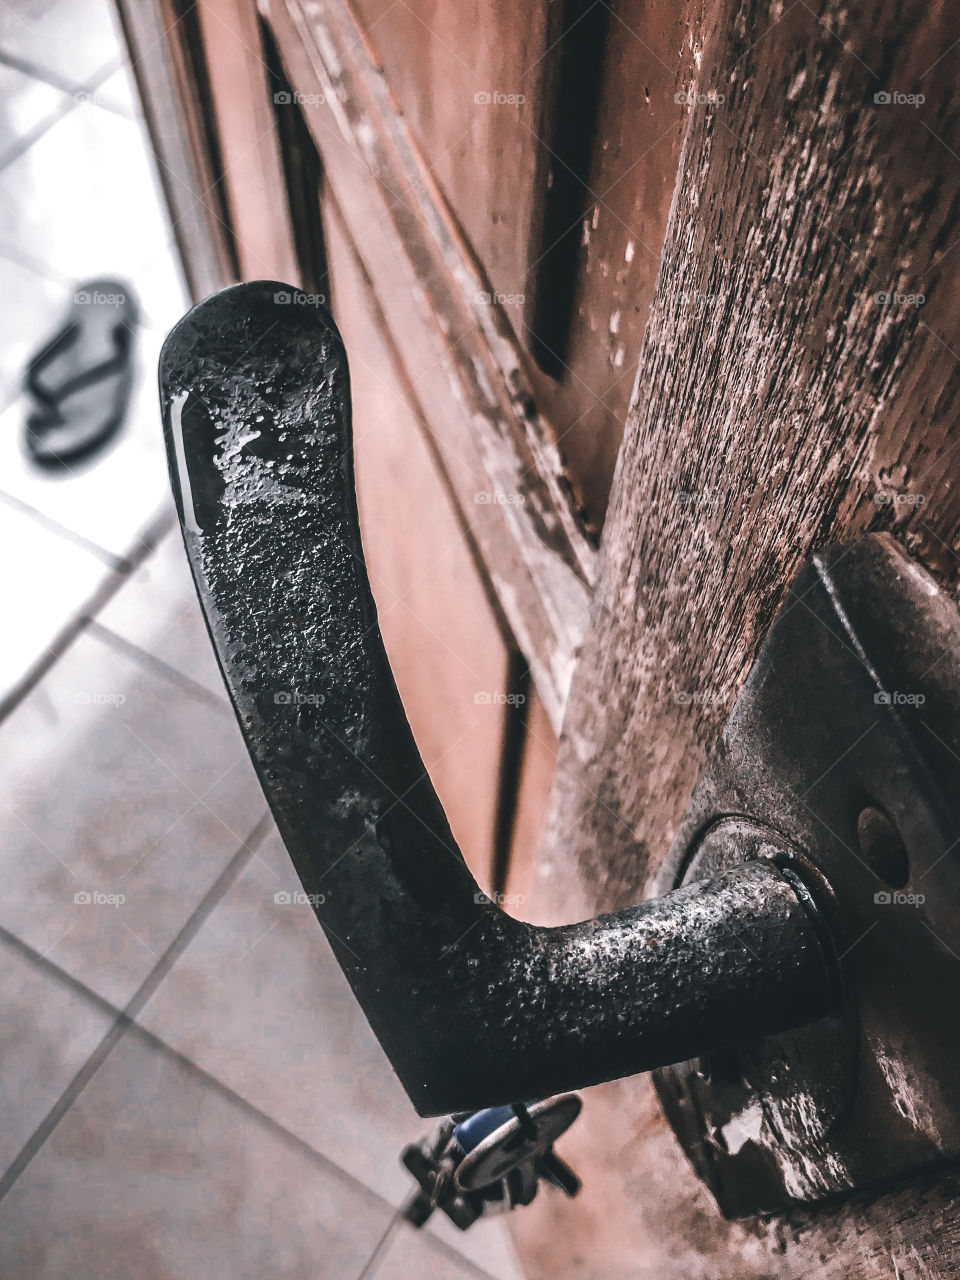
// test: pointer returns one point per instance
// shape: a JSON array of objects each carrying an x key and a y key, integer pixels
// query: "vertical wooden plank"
[
  {"x": 165, "y": 54},
  {"x": 564, "y": 137},
  {"x": 648, "y": 60},
  {"x": 477, "y": 87},
  {"x": 461, "y": 367},
  {"x": 466, "y": 78},
  {"x": 252, "y": 168}
]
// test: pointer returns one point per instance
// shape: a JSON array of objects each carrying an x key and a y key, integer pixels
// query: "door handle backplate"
[{"x": 845, "y": 744}]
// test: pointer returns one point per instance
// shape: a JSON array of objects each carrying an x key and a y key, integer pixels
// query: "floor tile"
[
  {"x": 38, "y": 305},
  {"x": 112, "y": 498},
  {"x": 45, "y": 580},
  {"x": 118, "y": 92},
  {"x": 158, "y": 611},
  {"x": 86, "y": 194},
  {"x": 25, "y": 104},
  {"x": 72, "y": 40},
  {"x": 162, "y": 289},
  {"x": 486, "y": 1244},
  {"x": 51, "y": 711},
  {"x": 47, "y": 1030},
  {"x": 413, "y": 1253},
  {"x": 123, "y": 798},
  {"x": 259, "y": 1001},
  {"x": 154, "y": 1174}
]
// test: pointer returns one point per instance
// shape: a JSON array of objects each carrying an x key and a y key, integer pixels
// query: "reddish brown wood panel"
[
  {"x": 466, "y": 77},
  {"x": 459, "y": 360},
  {"x": 537, "y": 769},
  {"x": 468, "y": 80},
  {"x": 445, "y": 647},
  {"x": 252, "y": 169},
  {"x": 809, "y": 218}
]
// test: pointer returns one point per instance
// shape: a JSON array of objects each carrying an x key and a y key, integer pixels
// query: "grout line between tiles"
[
  {"x": 27, "y": 262},
  {"x": 57, "y": 81},
  {"x": 380, "y": 1248},
  {"x": 110, "y": 558},
  {"x": 151, "y": 662},
  {"x": 127, "y": 1015},
  {"x": 81, "y": 620},
  {"x": 38, "y": 73},
  {"x": 120, "y": 63},
  {"x": 24, "y": 258},
  {"x": 157, "y": 1043},
  {"x": 102, "y": 74},
  {"x": 133, "y": 1028},
  {"x": 23, "y": 144}
]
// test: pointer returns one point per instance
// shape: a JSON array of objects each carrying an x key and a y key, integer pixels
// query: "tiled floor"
[{"x": 186, "y": 1085}]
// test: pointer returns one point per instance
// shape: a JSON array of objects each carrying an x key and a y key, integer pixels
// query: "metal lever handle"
[{"x": 472, "y": 1007}]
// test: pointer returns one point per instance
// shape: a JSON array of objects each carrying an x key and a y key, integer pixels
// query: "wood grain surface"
[{"x": 797, "y": 386}]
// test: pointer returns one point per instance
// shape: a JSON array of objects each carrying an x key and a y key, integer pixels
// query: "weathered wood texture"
[
  {"x": 537, "y": 769},
  {"x": 465, "y": 373},
  {"x": 167, "y": 59},
  {"x": 485, "y": 156},
  {"x": 776, "y": 396},
  {"x": 448, "y": 655},
  {"x": 252, "y": 170},
  {"x": 639, "y": 130}
]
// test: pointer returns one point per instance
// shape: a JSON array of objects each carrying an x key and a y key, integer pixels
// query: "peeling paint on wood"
[{"x": 457, "y": 356}]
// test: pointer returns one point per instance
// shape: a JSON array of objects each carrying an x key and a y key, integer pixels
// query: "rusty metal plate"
[{"x": 841, "y": 761}]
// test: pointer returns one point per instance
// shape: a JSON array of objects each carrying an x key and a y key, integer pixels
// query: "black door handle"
[{"x": 471, "y": 1006}]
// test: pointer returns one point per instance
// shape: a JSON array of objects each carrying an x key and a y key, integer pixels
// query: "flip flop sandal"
[{"x": 80, "y": 381}]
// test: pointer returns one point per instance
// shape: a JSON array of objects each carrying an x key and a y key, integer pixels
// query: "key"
[{"x": 491, "y": 1160}]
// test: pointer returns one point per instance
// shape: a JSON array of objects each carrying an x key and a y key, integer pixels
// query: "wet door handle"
[{"x": 472, "y": 1007}]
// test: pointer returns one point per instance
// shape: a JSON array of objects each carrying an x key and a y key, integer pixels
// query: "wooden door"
[{"x": 621, "y": 366}]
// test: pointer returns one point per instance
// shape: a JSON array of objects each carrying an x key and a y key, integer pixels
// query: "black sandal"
[{"x": 80, "y": 381}]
